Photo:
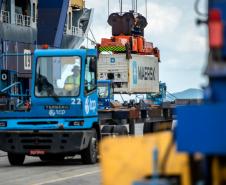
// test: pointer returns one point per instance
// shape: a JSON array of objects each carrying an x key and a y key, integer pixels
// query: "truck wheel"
[
  {"x": 16, "y": 159},
  {"x": 44, "y": 157},
  {"x": 89, "y": 155},
  {"x": 120, "y": 130}
]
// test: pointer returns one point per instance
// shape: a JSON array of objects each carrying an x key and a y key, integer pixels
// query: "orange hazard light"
[
  {"x": 45, "y": 46},
  {"x": 215, "y": 29}
]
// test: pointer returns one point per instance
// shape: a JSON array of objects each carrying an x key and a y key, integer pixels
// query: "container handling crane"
[
  {"x": 131, "y": 65},
  {"x": 194, "y": 153}
]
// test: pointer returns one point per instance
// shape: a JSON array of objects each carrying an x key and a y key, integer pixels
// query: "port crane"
[{"x": 194, "y": 152}]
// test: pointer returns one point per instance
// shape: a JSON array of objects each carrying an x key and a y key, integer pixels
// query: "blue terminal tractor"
[
  {"x": 105, "y": 94},
  {"x": 62, "y": 116}
]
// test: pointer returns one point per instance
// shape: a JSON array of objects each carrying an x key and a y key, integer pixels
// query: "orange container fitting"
[
  {"x": 135, "y": 48},
  {"x": 140, "y": 43}
]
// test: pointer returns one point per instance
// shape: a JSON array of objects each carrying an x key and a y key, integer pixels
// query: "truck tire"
[
  {"x": 16, "y": 159},
  {"x": 89, "y": 155},
  {"x": 44, "y": 157},
  {"x": 120, "y": 130}
]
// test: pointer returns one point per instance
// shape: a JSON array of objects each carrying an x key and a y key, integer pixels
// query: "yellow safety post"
[{"x": 128, "y": 159}]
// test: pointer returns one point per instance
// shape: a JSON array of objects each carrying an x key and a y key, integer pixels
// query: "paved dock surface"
[{"x": 35, "y": 172}]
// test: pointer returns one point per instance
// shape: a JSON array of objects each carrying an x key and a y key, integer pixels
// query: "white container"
[{"x": 137, "y": 75}]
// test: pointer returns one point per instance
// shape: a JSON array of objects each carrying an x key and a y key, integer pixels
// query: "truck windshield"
[
  {"x": 58, "y": 76},
  {"x": 102, "y": 90}
]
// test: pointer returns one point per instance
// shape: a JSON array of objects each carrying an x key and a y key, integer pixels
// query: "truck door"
[{"x": 90, "y": 87}]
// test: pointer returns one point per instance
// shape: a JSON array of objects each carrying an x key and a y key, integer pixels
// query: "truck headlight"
[{"x": 76, "y": 123}]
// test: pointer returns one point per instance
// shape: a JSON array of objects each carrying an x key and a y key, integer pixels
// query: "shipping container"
[
  {"x": 14, "y": 59},
  {"x": 137, "y": 75}
]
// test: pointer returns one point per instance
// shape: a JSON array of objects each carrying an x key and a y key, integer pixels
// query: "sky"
[{"x": 172, "y": 28}]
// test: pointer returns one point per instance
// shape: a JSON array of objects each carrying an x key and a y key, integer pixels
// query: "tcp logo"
[{"x": 90, "y": 106}]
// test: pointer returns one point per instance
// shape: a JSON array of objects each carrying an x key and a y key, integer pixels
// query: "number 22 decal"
[{"x": 75, "y": 101}]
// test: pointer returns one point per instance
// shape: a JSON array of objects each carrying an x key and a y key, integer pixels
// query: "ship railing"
[
  {"x": 4, "y": 16},
  {"x": 75, "y": 31},
  {"x": 23, "y": 20}
]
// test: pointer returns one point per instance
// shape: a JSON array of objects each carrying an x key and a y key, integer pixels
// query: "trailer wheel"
[
  {"x": 120, "y": 130},
  {"x": 89, "y": 155},
  {"x": 16, "y": 159},
  {"x": 148, "y": 128},
  {"x": 107, "y": 130}
]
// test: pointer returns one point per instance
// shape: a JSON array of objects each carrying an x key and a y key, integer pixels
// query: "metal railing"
[
  {"x": 15, "y": 91},
  {"x": 77, "y": 31},
  {"x": 5, "y": 16},
  {"x": 11, "y": 86},
  {"x": 20, "y": 19},
  {"x": 23, "y": 20}
]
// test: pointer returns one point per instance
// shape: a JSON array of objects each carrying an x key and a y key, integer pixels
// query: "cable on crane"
[
  {"x": 171, "y": 95},
  {"x": 136, "y": 5},
  {"x": 197, "y": 10},
  {"x": 93, "y": 36},
  {"x": 108, "y": 8},
  {"x": 87, "y": 43},
  {"x": 121, "y": 6}
]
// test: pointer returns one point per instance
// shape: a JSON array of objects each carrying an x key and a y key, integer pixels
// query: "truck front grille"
[
  {"x": 31, "y": 135},
  {"x": 33, "y": 140},
  {"x": 38, "y": 123},
  {"x": 30, "y": 147}
]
